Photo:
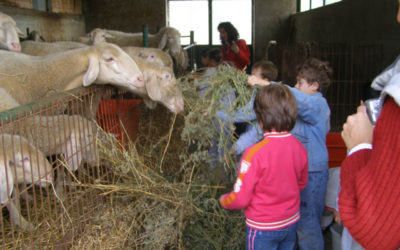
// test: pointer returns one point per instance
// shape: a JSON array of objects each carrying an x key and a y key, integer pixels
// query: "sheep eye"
[
  {"x": 109, "y": 59},
  {"x": 26, "y": 158}
]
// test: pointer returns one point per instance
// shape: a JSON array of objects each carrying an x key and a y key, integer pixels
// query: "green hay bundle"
[{"x": 201, "y": 111}]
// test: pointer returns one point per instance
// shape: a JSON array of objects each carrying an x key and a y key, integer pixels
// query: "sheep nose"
[
  {"x": 139, "y": 81},
  {"x": 16, "y": 47},
  {"x": 180, "y": 105}
]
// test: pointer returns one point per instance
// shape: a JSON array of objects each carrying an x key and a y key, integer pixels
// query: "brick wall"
[
  {"x": 57, "y": 6},
  {"x": 19, "y": 3},
  {"x": 67, "y": 6}
]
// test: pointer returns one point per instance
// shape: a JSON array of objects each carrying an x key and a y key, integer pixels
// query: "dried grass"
[{"x": 160, "y": 192}]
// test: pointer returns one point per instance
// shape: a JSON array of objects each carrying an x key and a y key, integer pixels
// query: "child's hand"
[
  {"x": 336, "y": 216},
  {"x": 231, "y": 153},
  {"x": 253, "y": 80}
]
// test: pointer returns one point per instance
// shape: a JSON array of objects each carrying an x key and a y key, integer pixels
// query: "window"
[
  {"x": 312, "y": 4},
  {"x": 193, "y": 15}
]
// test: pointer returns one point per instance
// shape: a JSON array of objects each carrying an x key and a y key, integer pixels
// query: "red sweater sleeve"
[
  {"x": 244, "y": 53},
  {"x": 242, "y": 59},
  {"x": 242, "y": 192},
  {"x": 369, "y": 201}
]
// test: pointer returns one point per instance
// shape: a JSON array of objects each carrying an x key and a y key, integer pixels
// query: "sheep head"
[
  {"x": 170, "y": 40},
  {"x": 6, "y": 180},
  {"x": 30, "y": 164},
  {"x": 110, "y": 64},
  {"x": 9, "y": 32},
  {"x": 98, "y": 36},
  {"x": 161, "y": 87}
]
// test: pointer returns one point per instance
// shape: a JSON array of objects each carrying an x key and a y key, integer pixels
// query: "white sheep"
[
  {"x": 152, "y": 55},
  {"x": 167, "y": 39},
  {"x": 28, "y": 78},
  {"x": 9, "y": 32},
  {"x": 20, "y": 163},
  {"x": 70, "y": 135},
  {"x": 160, "y": 86},
  {"x": 155, "y": 55},
  {"x": 37, "y": 48}
]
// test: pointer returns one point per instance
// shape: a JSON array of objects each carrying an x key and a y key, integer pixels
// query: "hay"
[
  {"x": 162, "y": 182},
  {"x": 160, "y": 193}
]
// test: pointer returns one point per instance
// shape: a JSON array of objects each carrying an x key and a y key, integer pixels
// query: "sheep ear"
[
  {"x": 153, "y": 89},
  {"x": 163, "y": 41},
  {"x": 5, "y": 187},
  {"x": 93, "y": 71},
  {"x": 149, "y": 103},
  {"x": 20, "y": 33},
  {"x": 182, "y": 59},
  {"x": 72, "y": 153}
]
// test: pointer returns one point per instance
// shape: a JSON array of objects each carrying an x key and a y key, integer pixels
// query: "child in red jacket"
[{"x": 271, "y": 174}]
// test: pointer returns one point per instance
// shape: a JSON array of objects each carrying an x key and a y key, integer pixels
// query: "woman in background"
[{"x": 233, "y": 49}]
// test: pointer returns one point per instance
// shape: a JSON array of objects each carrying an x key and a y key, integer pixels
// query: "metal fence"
[
  {"x": 45, "y": 148},
  {"x": 354, "y": 67}
]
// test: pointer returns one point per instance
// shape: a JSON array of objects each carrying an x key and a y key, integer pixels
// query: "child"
[
  {"x": 213, "y": 59},
  {"x": 216, "y": 152},
  {"x": 262, "y": 72},
  {"x": 312, "y": 126},
  {"x": 204, "y": 59},
  {"x": 271, "y": 174}
]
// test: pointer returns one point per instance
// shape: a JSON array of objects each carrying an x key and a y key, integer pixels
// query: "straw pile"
[{"x": 162, "y": 193}]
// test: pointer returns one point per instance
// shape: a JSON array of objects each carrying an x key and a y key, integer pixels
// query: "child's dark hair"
[
  {"x": 231, "y": 31},
  {"x": 315, "y": 70},
  {"x": 276, "y": 108},
  {"x": 214, "y": 54},
  {"x": 268, "y": 69},
  {"x": 204, "y": 53}
]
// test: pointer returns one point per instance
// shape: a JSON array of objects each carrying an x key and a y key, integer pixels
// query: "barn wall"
[
  {"x": 271, "y": 22},
  {"x": 52, "y": 26},
  {"x": 125, "y": 15},
  {"x": 352, "y": 21}
]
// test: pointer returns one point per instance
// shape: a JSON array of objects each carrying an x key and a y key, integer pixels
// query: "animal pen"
[
  {"x": 64, "y": 129},
  {"x": 170, "y": 199}
]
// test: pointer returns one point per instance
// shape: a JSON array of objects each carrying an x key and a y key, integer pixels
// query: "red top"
[
  {"x": 242, "y": 59},
  {"x": 369, "y": 201},
  {"x": 271, "y": 175}
]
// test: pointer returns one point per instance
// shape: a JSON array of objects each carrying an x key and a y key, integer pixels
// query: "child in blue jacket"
[{"x": 312, "y": 126}]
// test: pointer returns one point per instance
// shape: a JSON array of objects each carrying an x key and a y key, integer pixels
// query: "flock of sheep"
[{"x": 33, "y": 70}]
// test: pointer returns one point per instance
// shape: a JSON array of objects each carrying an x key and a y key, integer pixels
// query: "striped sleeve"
[{"x": 247, "y": 178}]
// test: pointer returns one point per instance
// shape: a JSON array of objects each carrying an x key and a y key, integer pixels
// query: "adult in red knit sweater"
[
  {"x": 369, "y": 200},
  {"x": 233, "y": 49}
]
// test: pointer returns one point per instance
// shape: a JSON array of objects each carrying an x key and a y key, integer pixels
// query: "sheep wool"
[{"x": 28, "y": 78}]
